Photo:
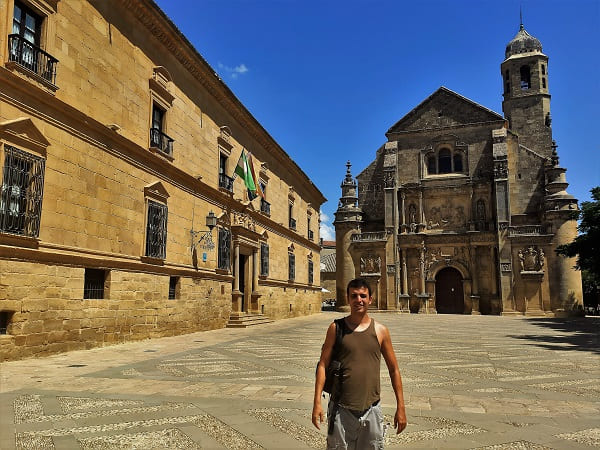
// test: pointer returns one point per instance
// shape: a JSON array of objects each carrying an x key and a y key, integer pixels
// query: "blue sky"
[{"x": 327, "y": 78}]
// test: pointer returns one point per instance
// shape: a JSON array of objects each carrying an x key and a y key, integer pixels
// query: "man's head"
[
  {"x": 359, "y": 295},
  {"x": 358, "y": 283}
]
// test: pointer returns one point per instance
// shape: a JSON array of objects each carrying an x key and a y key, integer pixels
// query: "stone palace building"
[
  {"x": 120, "y": 218},
  {"x": 462, "y": 208}
]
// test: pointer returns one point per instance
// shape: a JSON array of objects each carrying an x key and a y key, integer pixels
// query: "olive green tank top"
[{"x": 360, "y": 355}]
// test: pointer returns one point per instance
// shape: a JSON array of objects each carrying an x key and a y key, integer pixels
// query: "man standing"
[{"x": 356, "y": 419}]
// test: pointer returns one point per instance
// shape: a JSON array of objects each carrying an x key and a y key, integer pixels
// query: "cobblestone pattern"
[{"x": 470, "y": 382}]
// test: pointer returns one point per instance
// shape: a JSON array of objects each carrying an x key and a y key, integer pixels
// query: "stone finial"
[{"x": 348, "y": 174}]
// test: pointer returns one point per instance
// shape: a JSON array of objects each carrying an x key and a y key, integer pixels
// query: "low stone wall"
[{"x": 47, "y": 314}]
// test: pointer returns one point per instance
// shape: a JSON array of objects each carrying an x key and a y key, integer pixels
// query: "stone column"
[
  {"x": 237, "y": 297},
  {"x": 255, "y": 295},
  {"x": 404, "y": 289},
  {"x": 474, "y": 282},
  {"x": 421, "y": 213},
  {"x": 494, "y": 282},
  {"x": 403, "y": 211}
]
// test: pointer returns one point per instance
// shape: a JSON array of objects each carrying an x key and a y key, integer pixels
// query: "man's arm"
[
  {"x": 318, "y": 416},
  {"x": 392, "y": 364}
]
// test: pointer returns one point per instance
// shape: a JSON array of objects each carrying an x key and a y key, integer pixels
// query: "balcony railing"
[
  {"x": 371, "y": 236},
  {"x": 292, "y": 224},
  {"x": 161, "y": 141},
  {"x": 265, "y": 207},
  {"x": 32, "y": 57},
  {"x": 225, "y": 182}
]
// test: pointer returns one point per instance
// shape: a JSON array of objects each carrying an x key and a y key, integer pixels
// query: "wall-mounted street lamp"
[{"x": 204, "y": 235}]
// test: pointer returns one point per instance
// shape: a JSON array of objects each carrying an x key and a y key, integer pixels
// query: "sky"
[{"x": 327, "y": 78}]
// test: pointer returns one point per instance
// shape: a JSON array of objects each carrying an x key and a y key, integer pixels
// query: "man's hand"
[
  {"x": 400, "y": 420},
  {"x": 318, "y": 417}
]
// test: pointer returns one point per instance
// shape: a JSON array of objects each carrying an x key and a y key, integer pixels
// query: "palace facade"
[
  {"x": 462, "y": 208},
  {"x": 120, "y": 218}
]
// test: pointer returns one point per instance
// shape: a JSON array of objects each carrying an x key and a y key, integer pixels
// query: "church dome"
[{"x": 523, "y": 42}]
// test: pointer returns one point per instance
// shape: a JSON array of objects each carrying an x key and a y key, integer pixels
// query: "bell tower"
[{"x": 526, "y": 103}]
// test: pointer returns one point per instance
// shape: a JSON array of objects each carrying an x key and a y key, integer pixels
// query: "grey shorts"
[{"x": 356, "y": 433}]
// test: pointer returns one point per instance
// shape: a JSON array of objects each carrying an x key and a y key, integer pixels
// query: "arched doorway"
[{"x": 449, "y": 297}]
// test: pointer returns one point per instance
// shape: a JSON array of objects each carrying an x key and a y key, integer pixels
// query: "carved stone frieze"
[{"x": 446, "y": 216}]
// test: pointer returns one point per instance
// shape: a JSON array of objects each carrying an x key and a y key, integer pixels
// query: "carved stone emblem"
[
  {"x": 244, "y": 220},
  {"x": 531, "y": 259},
  {"x": 370, "y": 264}
]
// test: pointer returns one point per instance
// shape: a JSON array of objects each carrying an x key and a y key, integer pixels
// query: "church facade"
[{"x": 462, "y": 208}]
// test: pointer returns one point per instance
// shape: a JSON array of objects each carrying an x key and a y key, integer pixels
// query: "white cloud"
[
  {"x": 327, "y": 231},
  {"x": 233, "y": 72}
]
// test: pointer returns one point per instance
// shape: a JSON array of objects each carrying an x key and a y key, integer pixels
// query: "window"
[
  {"x": 225, "y": 181},
  {"x": 292, "y": 266},
  {"x": 24, "y": 43},
  {"x": 525, "y": 78},
  {"x": 544, "y": 83},
  {"x": 156, "y": 230},
  {"x": 543, "y": 69},
  {"x": 292, "y": 220},
  {"x": 431, "y": 169},
  {"x": 224, "y": 251},
  {"x": 21, "y": 192},
  {"x": 265, "y": 206},
  {"x": 310, "y": 272},
  {"x": 310, "y": 232},
  {"x": 444, "y": 161},
  {"x": 264, "y": 260},
  {"x": 158, "y": 138},
  {"x": 506, "y": 82},
  {"x": 93, "y": 284},
  {"x": 5, "y": 318},
  {"x": 173, "y": 287}
]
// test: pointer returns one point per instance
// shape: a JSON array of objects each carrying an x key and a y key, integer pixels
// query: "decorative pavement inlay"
[
  {"x": 590, "y": 436},
  {"x": 515, "y": 445}
]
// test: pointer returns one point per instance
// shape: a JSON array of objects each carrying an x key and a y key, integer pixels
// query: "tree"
[{"x": 586, "y": 246}]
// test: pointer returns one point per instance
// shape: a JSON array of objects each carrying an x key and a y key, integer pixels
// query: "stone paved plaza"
[{"x": 471, "y": 382}]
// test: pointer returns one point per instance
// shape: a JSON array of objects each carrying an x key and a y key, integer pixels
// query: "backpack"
[{"x": 333, "y": 373}]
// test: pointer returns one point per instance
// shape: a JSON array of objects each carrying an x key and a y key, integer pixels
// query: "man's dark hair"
[{"x": 358, "y": 283}]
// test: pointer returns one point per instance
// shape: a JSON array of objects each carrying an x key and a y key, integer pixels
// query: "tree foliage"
[{"x": 586, "y": 245}]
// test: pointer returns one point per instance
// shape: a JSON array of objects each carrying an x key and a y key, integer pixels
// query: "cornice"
[{"x": 163, "y": 29}]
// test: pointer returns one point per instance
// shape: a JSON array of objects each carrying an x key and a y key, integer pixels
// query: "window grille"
[
  {"x": 156, "y": 230},
  {"x": 21, "y": 192},
  {"x": 310, "y": 272},
  {"x": 173, "y": 282},
  {"x": 264, "y": 260},
  {"x": 93, "y": 284},
  {"x": 292, "y": 266},
  {"x": 224, "y": 256}
]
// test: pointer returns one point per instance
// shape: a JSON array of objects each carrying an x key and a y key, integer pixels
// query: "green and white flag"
[{"x": 244, "y": 170}]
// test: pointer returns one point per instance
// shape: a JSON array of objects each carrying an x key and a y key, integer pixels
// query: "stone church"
[{"x": 462, "y": 208}]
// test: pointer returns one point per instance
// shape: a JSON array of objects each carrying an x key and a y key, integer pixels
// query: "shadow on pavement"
[{"x": 581, "y": 334}]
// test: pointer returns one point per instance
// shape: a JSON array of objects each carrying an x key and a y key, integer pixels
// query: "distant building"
[
  {"x": 462, "y": 209},
  {"x": 119, "y": 216},
  {"x": 328, "y": 269}
]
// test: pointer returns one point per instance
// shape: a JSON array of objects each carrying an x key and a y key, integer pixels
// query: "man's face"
[{"x": 359, "y": 299}]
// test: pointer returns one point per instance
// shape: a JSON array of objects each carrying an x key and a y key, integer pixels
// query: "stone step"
[{"x": 246, "y": 320}]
